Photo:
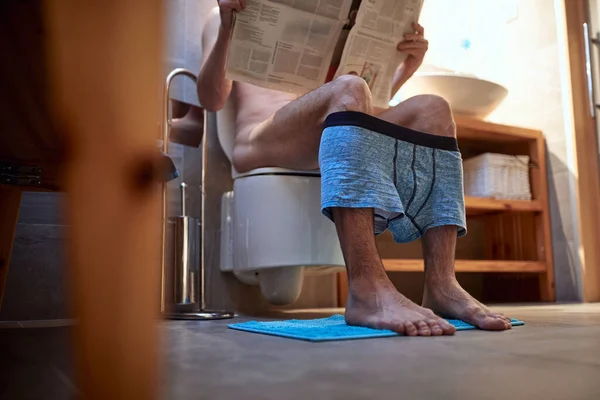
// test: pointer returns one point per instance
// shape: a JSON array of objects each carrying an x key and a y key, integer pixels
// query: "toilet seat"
[{"x": 226, "y": 133}]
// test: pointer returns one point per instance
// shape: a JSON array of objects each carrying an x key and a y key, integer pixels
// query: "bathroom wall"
[{"x": 518, "y": 44}]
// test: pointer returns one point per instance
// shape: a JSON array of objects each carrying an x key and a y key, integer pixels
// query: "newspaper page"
[
  {"x": 370, "y": 51},
  {"x": 334, "y": 9},
  {"x": 285, "y": 45}
]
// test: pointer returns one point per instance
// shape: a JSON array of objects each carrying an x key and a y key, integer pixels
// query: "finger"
[
  {"x": 415, "y": 38},
  {"x": 418, "y": 28},
  {"x": 243, "y": 4},
  {"x": 409, "y": 44},
  {"x": 412, "y": 53},
  {"x": 233, "y": 5},
  {"x": 412, "y": 46}
]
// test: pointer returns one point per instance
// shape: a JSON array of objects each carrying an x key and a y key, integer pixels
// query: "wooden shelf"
[
  {"x": 483, "y": 205},
  {"x": 475, "y": 129},
  {"x": 469, "y": 266}
]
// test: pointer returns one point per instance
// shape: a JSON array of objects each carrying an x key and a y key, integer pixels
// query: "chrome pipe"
[
  {"x": 198, "y": 313},
  {"x": 166, "y": 127}
]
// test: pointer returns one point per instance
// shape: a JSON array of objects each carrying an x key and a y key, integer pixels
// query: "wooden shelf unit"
[
  {"x": 481, "y": 206},
  {"x": 518, "y": 238},
  {"x": 470, "y": 266}
]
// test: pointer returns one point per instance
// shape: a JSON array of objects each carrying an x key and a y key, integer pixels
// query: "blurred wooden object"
[{"x": 105, "y": 60}]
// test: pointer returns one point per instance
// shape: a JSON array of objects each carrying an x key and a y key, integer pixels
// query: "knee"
[
  {"x": 433, "y": 115},
  {"x": 350, "y": 93}
]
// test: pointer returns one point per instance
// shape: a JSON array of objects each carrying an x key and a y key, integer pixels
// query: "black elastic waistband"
[{"x": 362, "y": 120}]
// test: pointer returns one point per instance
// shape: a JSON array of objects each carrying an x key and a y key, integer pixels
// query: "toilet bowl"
[{"x": 272, "y": 229}]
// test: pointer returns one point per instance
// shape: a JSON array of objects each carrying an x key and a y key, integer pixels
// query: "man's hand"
[
  {"x": 414, "y": 46},
  {"x": 226, "y": 9}
]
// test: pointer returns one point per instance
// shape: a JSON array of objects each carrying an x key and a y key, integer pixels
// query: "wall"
[{"x": 517, "y": 44}]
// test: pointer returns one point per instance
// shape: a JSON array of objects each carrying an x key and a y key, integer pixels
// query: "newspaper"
[{"x": 292, "y": 45}]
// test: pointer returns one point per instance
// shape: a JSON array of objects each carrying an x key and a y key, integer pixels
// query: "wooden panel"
[
  {"x": 476, "y": 129},
  {"x": 105, "y": 59},
  {"x": 511, "y": 236},
  {"x": 10, "y": 201},
  {"x": 470, "y": 266},
  {"x": 482, "y": 205},
  {"x": 543, "y": 235},
  {"x": 342, "y": 289},
  {"x": 586, "y": 149}
]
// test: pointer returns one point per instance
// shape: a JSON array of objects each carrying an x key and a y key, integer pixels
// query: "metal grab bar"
[{"x": 195, "y": 311}]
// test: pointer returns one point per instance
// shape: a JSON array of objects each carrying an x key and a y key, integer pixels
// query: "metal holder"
[{"x": 187, "y": 275}]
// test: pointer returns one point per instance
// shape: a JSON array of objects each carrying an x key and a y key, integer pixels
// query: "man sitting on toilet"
[{"x": 397, "y": 169}]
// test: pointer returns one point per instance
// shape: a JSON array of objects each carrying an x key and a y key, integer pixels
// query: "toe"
[
  {"x": 434, "y": 327},
  {"x": 505, "y": 320},
  {"x": 499, "y": 315},
  {"x": 399, "y": 328},
  {"x": 447, "y": 327},
  {"x": 484, "y": 321},
  {"x": 423, "y": 328},
  {"x": 410, "y": 329}
]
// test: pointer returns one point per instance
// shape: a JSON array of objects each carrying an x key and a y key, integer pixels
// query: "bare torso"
[{"x": 255, "y": 104}]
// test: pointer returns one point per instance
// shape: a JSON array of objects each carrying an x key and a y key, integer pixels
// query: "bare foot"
[
  {"x": 448, "y": 299},
  {"x": 378, "y": 305}
]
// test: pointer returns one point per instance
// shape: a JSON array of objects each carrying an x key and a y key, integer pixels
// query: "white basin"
[{"x": 466, "y": 94}]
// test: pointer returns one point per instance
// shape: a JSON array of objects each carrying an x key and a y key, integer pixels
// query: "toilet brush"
[{"x": 183, "y": 279}]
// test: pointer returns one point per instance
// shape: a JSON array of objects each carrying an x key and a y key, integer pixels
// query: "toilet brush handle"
[{"x": 183, "y": 208}]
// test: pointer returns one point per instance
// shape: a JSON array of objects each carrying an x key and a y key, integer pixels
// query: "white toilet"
[{"x": 273, "y": 232}]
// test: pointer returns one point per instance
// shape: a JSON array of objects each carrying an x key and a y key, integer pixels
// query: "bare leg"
[
  {"x": 443, "y": 294},
  {"x": 424, "y": 113},
  {"x": 290, "y": 138},
  {"x": 373, "y": 300}
]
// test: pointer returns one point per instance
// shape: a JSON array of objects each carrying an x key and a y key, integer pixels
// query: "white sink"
[{"x": 466, "y": 94}]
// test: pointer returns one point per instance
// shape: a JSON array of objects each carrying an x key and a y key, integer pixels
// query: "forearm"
[
  {"x": 212, "y": 85},
  {"x": 400, "y": 78}
]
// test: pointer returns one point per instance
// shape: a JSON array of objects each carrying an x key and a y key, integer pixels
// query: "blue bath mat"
[{"x": 326, "y": 329}]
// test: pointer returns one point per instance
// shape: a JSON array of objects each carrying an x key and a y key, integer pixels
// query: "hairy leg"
[
  {"x": 443, "y": 294},
  {"x": 290, "y": 138},
  {"x": 425, "y": 113},
  {"x": 373, "y": 300}
]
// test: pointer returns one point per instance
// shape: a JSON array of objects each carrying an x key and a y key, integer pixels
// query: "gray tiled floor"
[{"x": 555, "y": 356}]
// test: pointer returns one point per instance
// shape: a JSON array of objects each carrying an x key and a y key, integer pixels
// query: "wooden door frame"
[
  {"x": 587, "y": 165},
  {"x": 104, "y": 63}
]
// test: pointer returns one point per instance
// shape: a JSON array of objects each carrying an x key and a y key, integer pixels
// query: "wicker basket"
[{"x": 497, "y": 176}]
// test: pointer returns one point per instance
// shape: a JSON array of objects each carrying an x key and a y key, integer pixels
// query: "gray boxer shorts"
[{"x": 412, "y": 180}]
